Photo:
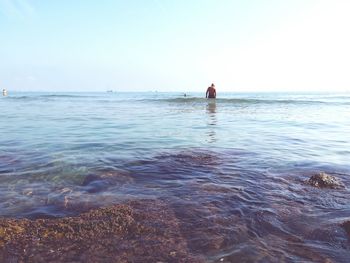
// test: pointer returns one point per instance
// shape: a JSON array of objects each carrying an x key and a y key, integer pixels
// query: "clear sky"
[{"x": 175, "y": 45}]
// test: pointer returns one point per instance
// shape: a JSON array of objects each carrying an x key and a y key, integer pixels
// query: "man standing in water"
[{"x": 211, "y": 92}]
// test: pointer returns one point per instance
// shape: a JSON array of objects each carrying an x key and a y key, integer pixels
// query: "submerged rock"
[
  {"x": 141, "y": 231},
  {"x": 346, "y": 226},
  {"x": 324, "y": 180},
  {"x": 102, "y": 180}
]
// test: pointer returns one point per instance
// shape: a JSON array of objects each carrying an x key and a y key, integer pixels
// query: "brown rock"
[
  {"x": 140, "y": 231},
  {"x": 323, "y": 180}
]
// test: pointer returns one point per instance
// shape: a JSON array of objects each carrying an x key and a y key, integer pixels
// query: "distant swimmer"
[
  {"x": 211, "y": 92},
  {"x": 4, "y": 92}
]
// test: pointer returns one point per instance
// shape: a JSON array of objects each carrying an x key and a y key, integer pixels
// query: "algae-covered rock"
[
  {"x": 140, "y": 231},
  {"x": 323, "y": 180}
]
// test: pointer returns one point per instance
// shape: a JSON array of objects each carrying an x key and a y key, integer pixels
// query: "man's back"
[{"x": 211, "y": 93}]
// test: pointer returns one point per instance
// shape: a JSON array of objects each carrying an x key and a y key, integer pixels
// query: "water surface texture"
[{"x": 230, "y": 170}]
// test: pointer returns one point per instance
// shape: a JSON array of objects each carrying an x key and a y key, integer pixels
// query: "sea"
[{"x": 232, "y": 170}]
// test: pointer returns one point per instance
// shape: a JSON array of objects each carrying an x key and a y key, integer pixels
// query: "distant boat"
[
  {"x": 110, "y": 91},
  {"x": 4, "y": 92}
]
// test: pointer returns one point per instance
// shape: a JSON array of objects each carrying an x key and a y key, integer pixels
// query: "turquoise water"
[{"x": 240, "y": 159}]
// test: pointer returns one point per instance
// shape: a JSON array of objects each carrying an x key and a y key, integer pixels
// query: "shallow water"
[{"x": 232, "y": 170}]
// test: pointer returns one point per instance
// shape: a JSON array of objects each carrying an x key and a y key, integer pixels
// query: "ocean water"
[{"x": 232, "y": 170}]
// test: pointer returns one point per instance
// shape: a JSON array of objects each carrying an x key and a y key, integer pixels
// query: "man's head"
[{"x": 212, "y": 85}]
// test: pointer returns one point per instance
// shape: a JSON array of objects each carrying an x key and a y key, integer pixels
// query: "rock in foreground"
[
  {"x": 323, "y": 180},
  {"x": 141, "y": 231}
]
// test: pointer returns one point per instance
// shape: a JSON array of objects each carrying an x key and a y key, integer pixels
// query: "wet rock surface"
[
  {"x": 139, "y": 231},
  {"x": 186, "y": 206},
  {"x": 324, "y": 180}
]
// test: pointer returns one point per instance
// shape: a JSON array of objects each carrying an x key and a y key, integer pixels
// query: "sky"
[{"x": 175, "y": 45}]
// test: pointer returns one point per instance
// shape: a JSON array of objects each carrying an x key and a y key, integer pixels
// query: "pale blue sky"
[{"x": 175, "y": 45}]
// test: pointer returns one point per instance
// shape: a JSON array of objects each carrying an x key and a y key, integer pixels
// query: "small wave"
[
  {"x": 46, "y": 97},
  {"x": 240, "y": 101},
  {"x": 65, "y": 96},
  {"x": 18, "y": 97}
]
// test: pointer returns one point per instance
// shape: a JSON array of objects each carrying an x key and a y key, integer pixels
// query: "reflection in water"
[{"x": 212, "y": 121}]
